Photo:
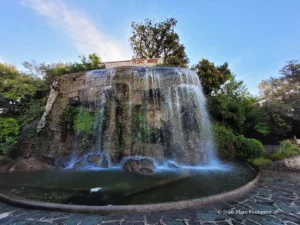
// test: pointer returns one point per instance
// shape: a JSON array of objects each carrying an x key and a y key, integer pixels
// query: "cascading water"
[{"x": 154, "y": 112}]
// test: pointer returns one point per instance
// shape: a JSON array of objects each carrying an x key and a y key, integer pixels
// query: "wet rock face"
[
  {"x": 130, "y": 111},
  {"x": 30, "y": 164},
  {"x": 92, "y": 160},
  {"x": 97, "y": 160},
  {"x": 144, "y": 166}
]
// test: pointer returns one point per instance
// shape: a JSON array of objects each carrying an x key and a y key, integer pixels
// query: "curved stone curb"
[{"x": 15, "y": 201}]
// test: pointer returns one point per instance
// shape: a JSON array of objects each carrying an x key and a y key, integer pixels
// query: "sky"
[{"x": 255, "y": 37}]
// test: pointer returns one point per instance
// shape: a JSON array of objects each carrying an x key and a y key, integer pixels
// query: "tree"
[
  {"x": 280, "y": 98},
  {"x": 54, "y": 70},
  {"x": 155, "y": 40},
  {"x": 9, "y": 129},
  {"x": 16, "y": 89},
  {"x": 211, "y": 76},
  {"x": 235, "y": 108}
]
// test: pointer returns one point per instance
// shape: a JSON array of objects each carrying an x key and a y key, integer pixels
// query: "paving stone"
[
  {"x": 249, "y": 222},
  {"x": 222, "y": 206},
  {"x": 285, "y": 208},
  {"x": 234, "y": 222},
  {"x": 266, "y": 220},
  {"x": 223, "y": 223},
  {"x": 8, "y": 221},
  {"x": 211, "y": 216},
  {"x": 72, "y": 220},
  {"x": 134, "y": 217},
  {"x": 261, "y": 206},
  {"x": 263, "y": 200},
  {"x": 91, "y": 220},
  {"x": 288, "y": 217},
  {"x": 194, "y": 222},
  {"x": 168, "y": 221}
]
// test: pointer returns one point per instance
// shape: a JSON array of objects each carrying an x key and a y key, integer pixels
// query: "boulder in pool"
[
  {"x": 144, "y": 166},
  {"x": 29, "y": 164}
]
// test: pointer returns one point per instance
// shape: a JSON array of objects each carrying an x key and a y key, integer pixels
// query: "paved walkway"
[{"x": 277, "y": 196}]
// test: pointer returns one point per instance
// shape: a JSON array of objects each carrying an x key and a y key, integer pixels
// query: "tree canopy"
[
  {"x": 280, "y": 98},
  {"x": 211, "y": 76},
  {"x": 235, "y": 108},
  {"x": 155, "y": 40}
]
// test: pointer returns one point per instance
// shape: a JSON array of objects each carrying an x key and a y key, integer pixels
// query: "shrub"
[
  {"x": 226, "y": 142},
  {"x": 68, "y": 117},
  {"x": 287, "y": 149},
  {"x": 84, "y": 121},
  {"x": 260, "y": 161},
  {"x": 231, "y": 146},
  {"x": 248, "y": 148},
  {"x": 9, "y": 130}
]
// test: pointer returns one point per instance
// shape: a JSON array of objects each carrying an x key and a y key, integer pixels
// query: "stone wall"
[{"x": 136, "y": 111}]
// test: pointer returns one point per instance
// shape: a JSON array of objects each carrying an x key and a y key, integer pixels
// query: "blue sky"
[{"x": 255, "y": 37}]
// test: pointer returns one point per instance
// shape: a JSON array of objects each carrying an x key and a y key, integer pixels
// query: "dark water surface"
[{"x": 121, "y": 188}]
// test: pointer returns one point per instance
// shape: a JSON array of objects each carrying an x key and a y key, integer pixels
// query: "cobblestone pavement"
[{"x": 276, "y": 195}]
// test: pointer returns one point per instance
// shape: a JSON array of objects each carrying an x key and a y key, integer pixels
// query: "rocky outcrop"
[
  {"x": 289, "y": 164},
  {"x": 30, "y": 164},
  {"x": 144, "y": 166},
  {"x": 53, "y": 95},
  {"x": 97, "y": 160},
  {"x": 92, "y": 160},
  {"x": 135, "y": 111}
]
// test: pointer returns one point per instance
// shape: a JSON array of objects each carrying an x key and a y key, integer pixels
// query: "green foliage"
[
  {"x": 155, "y": 40},
  {"x": 78, "y": 119},
  {"x": 54, "y": 70},
  {"x": 4, "y": 160},
  {"x": 68, "y": 117},
  {"x": 226, "y": 142},
  {"x": 16, "y": 89},
  {"x": 84, "y": 121},
  {"x": 9, "y": 129},
  {"x": 173, "y": 61},
  {"x": 7, "y": 145},
  {"x": 233, "y": 107},
  {"x": 231, "y": 146},
  {"x": 280, "y": 99},
  {"x": 287, "y": 149},
  {"x": 260, "y": 161},
  {"x": 142, "y": 132},
  {"x": 211, "y": 76},
  {"x": 248, "y": 148},
  {"x": 33, "y": 111}
]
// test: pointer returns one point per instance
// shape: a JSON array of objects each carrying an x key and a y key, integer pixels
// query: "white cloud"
[{"x": 85, "y": 35}]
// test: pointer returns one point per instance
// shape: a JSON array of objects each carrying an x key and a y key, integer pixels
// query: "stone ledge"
[{"x": 19, "y": 202}]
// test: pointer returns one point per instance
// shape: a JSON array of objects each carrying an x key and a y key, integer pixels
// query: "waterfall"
[{"x": 157, "y": 112}]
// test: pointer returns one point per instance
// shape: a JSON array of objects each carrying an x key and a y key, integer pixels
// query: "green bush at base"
[
  {"x": 248, "y": 148},
  {"x": 226, "y": 142},
  {"x": 260, "y": 161},
  {"x": 287, "y": 149},
  {"x": 232, "y": 147}
]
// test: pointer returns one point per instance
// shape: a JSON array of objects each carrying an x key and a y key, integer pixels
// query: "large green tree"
[
  {"x": 235, "y": 108},
  {"x": 212, "y": 77},
  {"x": 155, "y": 40},
  {"x": 280, "y": 98},
  {"x": 16, "y": 90}
]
